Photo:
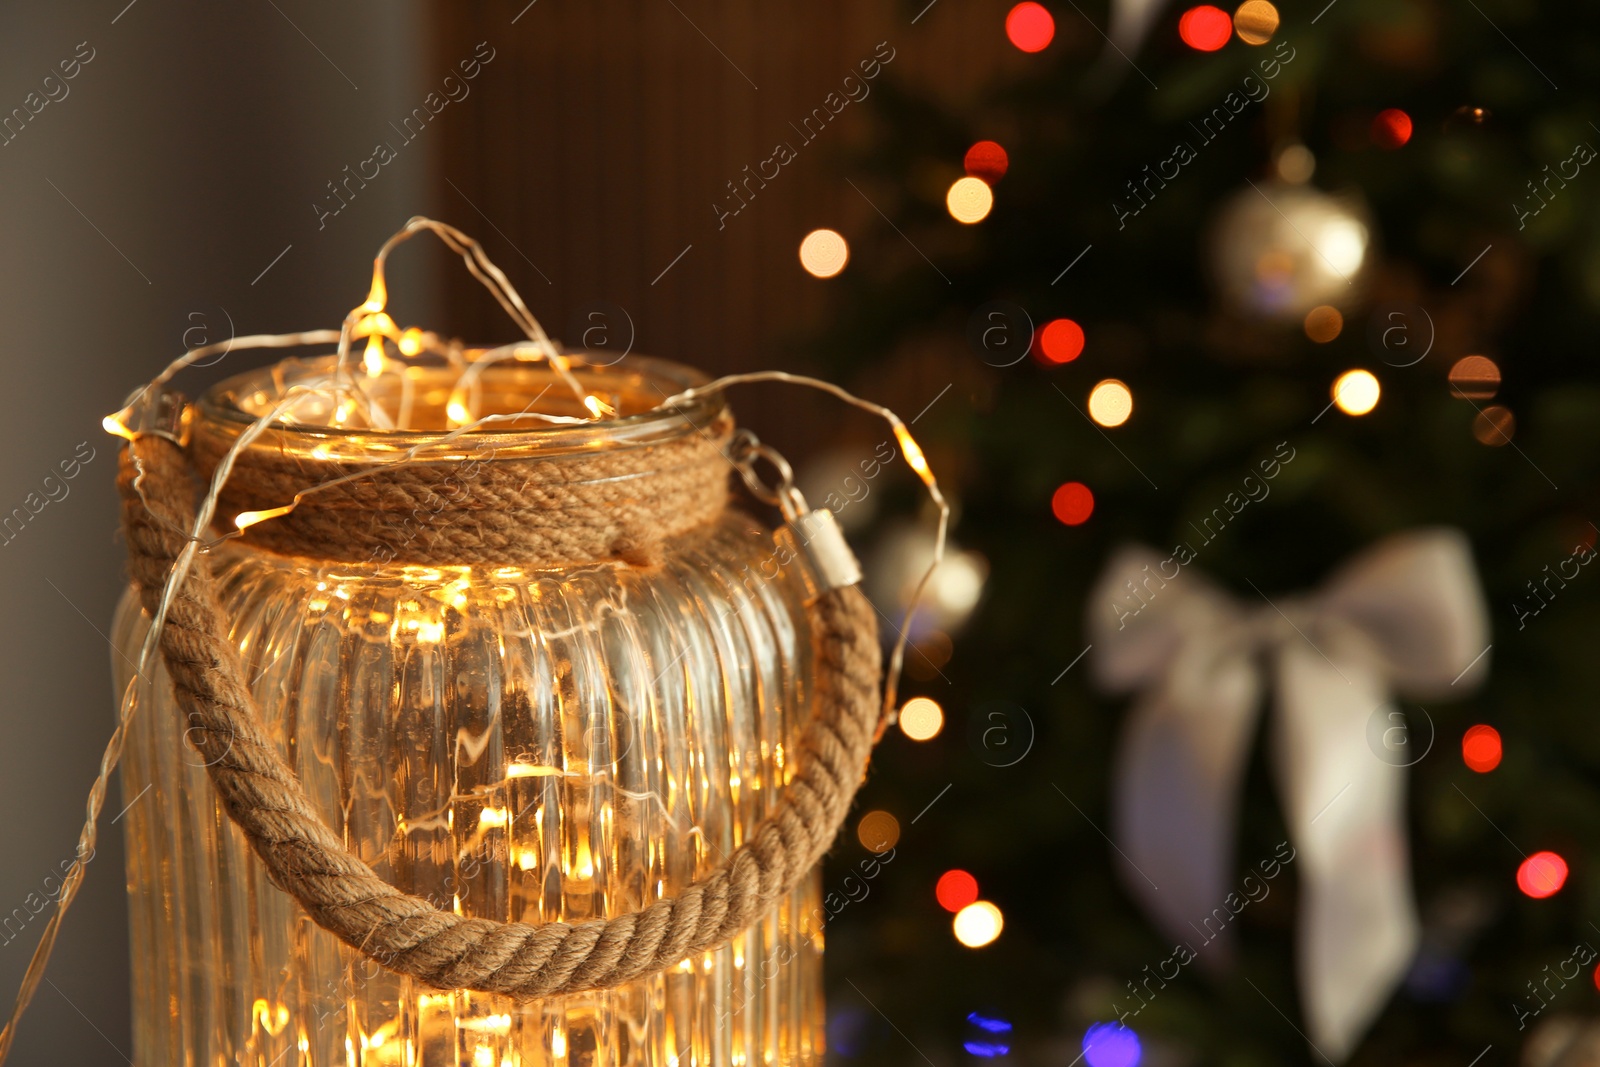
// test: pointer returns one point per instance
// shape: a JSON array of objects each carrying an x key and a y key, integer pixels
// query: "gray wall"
[{"x": 195, "y": 142}]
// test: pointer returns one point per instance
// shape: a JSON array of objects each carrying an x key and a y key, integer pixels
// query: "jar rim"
[{"x": 233, "y": 404}]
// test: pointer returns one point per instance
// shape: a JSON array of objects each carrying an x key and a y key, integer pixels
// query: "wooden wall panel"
[{"x": 604, "y": 130}]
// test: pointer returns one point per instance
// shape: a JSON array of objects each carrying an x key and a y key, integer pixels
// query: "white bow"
[{"x": 1406, "y": 616}]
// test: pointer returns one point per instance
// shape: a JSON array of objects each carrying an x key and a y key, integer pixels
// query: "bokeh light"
[
  {"x": 978, "y": 924},
  {"x": 954, "y": 589},
  {"x": 969, "y": 200},
  {"x": 1111, "y": 1045},
  {"x": 878, "y": 831},
  {"x": 1342, "y": 245},
  {"x": 988, "y": 1048},
  {"x": 921, "y": 718},
  {"x": 1110, "y": 403},
  {"x": 850, "y": 1030},
  {"x": 1480, "y": 748},
  {"x": 1542, "y": 875},
  {"x": 1061, "y": 341},
  {"x": 989, "y": 1024},
  {"x": 1072, "y": 503},
  {"x": 993, "y": 1040},
  {"x": 987, "y": 160},
  {"x": 1494, "y": 426},
  {"x": 955, "y": 890},
  {"x": 823, "y": 253},
  {"x": 1296, "y": 164},
  {"x": 1474, "y": 378},
  {"x": 1356, "y": 392},
  {"x": 1323, "y": 323},
  {"x": 1030, "y": 27},
  {"x": 1205, "y": 28},
  {"x": 1255, "y": 21},
  {"x": 1391, "y": 128}
]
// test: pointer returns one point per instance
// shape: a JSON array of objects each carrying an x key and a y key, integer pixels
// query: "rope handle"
[{"x": 408, "y": 935}]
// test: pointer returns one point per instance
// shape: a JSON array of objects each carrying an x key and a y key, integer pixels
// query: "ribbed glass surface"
[{"x": 520, "y": 746}]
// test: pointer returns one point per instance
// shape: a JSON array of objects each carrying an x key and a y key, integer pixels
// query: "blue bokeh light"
[
  {"x": 849, "y": 1031},
  {"x": 989, "y": 1024},
  {"x": 986, "y": 1049},
  {"x": 1111, "y": 1045}
]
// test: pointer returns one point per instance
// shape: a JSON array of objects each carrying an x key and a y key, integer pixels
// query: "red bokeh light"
[
  {"x": 1073, "y": 503},
  {"x": 1480, "y": 748},
  {"x": 1542, "y": 874},
  {"x": 987, "y": 160},
  {"x": 1061, "y": 341},
  {"x": 1391, "y": 128},
  {"x": 956, "y": 889},
  {"x": 1205, "y": 28},
  {"x": 1030, "y": 27}
]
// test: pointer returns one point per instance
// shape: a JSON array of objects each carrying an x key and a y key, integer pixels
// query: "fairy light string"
[{"x": 347, "y": 391}]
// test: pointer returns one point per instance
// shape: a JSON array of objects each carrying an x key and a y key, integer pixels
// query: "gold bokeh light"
[
  {"x": 1324, "y": 323},
  {"x": 878, "y": 831},
  {"x": 969, "y": 200},
  {"x": 921, "y": 719},
  {"x": 1255, "y": 21},
  {"x": 824, "y": 253},
  {"x": 1474, "y": 378},
  {"x": 1110, "y": 403},
  {"x": 978, "y": 924},
  {"x": 1494, "y": 426},
  {"x": 1356, "y": 392}
]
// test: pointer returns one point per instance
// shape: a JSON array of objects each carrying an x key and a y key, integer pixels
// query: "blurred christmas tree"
[{"x": 1439, "y": 205}]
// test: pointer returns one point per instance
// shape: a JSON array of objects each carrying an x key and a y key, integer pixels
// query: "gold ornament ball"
[{"x": 1277, "y": 250}]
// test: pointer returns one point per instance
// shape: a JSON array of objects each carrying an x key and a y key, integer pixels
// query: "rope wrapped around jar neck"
[{"x": 611, "y": 503}]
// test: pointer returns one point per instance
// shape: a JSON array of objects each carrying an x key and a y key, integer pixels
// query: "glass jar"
[{"x": 515, "y": 743}]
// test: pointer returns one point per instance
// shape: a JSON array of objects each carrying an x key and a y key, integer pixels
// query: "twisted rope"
[
  {"x": 532, "y": 512},
  {"x": 408, "y": 935}
]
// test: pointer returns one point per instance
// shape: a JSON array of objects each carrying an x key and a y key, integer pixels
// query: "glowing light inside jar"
[
  {"x": 373, "y": 360},
  {"x": 378, "y": 295},
  {"x": 250, "y": 518},
  {"x": 270, "y": 1017}
]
